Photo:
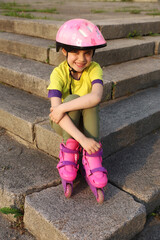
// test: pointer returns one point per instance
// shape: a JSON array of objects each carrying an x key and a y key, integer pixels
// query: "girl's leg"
[
  {"x": 69, "y": 152},
  {"x": 91, "y": 122},
  {"x": 95, "y": 173},
  {"x": 75, "y": 117}
]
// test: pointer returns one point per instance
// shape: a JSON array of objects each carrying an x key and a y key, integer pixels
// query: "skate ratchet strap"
[
  {"x": 67, "y": 150},
  {"x": 66, "y": 163},
  {"x": 100, "y": 169}
]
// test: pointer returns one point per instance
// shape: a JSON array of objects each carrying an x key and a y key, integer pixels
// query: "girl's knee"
[{"x": 71, "y": 97}]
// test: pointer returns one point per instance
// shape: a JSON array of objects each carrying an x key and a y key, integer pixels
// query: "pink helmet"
[{"x": 79, "y": 34}]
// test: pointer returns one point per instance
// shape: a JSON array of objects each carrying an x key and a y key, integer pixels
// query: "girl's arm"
[
  {"x": 87, "y": 101},
  {"x": 89, "y": 144}
]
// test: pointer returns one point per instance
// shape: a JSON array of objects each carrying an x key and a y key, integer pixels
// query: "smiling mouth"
[{"x": 80, "y": 65}]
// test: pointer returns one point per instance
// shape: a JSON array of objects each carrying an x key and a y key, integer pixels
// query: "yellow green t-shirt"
[{"x": 62, "y": 81}]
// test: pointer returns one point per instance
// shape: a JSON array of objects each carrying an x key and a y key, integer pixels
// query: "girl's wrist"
[
  {"x": 81, "y": 138},
  {"x": 61, "y": 107}
]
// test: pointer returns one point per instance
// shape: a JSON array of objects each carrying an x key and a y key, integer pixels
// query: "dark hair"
[{"x": 70, "y": 48}]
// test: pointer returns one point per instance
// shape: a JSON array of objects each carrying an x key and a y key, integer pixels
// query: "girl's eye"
[
  {"x": 75, "y": 51},
  {"x": 89, "y": 53}
]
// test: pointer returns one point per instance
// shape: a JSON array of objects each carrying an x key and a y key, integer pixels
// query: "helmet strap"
[{"x": 70, "y": 68}]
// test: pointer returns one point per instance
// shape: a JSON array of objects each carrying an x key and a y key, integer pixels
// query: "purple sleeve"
[
  {"x": 97, "y": 81},
  {"x": 54, "y": 93}
]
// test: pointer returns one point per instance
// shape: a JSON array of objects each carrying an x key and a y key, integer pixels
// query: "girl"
[{"x": 76, "y": 89}]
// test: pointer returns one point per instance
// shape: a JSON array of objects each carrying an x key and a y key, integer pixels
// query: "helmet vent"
[
  {"x": 89, "y": 29},
  {"x": 82, "y": 32}
]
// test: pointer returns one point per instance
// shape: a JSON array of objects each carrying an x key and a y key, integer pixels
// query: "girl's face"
[{"x": 79, "y": 59}]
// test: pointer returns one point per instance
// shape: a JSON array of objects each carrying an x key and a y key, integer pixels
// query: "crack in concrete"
[
  {"x": 55, "y": 183},
  {"x": 37, "y": 121}
]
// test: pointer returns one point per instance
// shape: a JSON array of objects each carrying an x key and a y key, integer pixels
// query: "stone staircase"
[{"x": 129, "y": 126}]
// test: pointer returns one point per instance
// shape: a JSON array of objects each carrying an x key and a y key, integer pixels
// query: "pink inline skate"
[
  {"x": 95, "y": 174},
  {"x": 68, "y": 165}
]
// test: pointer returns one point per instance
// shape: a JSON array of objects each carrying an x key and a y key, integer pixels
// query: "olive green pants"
[{"x": 87, "y": 120}]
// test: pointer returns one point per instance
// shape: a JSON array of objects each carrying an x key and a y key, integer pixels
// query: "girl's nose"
[{"x": 82, "y": 57}]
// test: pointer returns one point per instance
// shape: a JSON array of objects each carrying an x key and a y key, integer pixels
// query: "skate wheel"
[
  {"x": 68, "y": 192},
  {"x": 100, "y": 198}
]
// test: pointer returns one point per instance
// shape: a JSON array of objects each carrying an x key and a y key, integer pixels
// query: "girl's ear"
[{"x": 64, "y": 52}]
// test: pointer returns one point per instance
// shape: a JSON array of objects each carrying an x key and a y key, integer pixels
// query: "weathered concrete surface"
[
  {"x": 55, "y": 58},
  {"x": 36, "y": 28},
  {"x": 128, "y": 120},
  {"x": 151, "y": 230},
  {"x": 23, "y": 171},
  {"x": 121, "y": 122},
  {"x": 19, "y": 111},
  {"x": 120, "y": 29},
  {"x": 25, "y": 46},
  {"x": 112, "y": 27},
  {"x": 44, "y": 132},
  {"x": 8, "y": 233},
  {"x": 132, "y": 76},
  {"x": 48, "y": 215},
  {"x": 117, "y": 51},
  {"x": 136, "y": 170},
  {"x": 28, "y": 75},
  {"x": 123, "y": 50}
]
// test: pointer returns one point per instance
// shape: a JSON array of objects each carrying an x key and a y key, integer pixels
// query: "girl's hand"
[
  {"x": 56, "y": 114},
  {"x": 90, "y": 145}
]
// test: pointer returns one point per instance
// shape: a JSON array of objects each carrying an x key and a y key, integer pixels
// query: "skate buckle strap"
[
  {"x": 67, "y": 150},
  {"x": 65, "y": 163},
  {"x": 96, "y": 154},
  {"x": 100, "y": 169}
]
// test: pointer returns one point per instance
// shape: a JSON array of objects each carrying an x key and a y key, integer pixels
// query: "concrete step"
[
  {"x": 123, "y": 50},
  {"x": 43, "y": 50},
  {"x": 129, "y": 77},
  {"x": 9, "y": 233},
  {"x": 21, "y": 111},
  {"x": 36, "y": 27},
  {"x": 47, "y": 214},
  {"x": 135, "y": 170},
  {"x": 28, "y": 75},
  {"x": 23, "y": 171},
  {"x": 119, "y": 80},
  {"x": 121, "y": 122},
  {"x": 111, "y": 28},
  {"x": 28, "y": 47},
  {"x": 151, "y": 229}
]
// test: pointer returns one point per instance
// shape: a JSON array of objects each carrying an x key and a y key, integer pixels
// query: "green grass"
[
  {"x": 156, "y": 213},
  {"x": 153, "y": 34},
  {"x": 154, "y": 13},
  {"x": 136, "y": 10},
  {"x": 97, "y": 11},
  {"x": 21, "y": 15},
  {"x": 23, "y": 11},
  {"x": 132, "y": 10},
  {"x": 51, "y": 10},
  {"x": 134, "y": 34},
  {"x": 11, "y": 5},
  {"x": 14, "y": 211},
  {"x": 126, "y": 1}
]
